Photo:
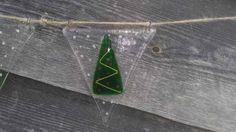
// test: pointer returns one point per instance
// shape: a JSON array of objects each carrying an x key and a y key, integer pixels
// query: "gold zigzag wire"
[{"x": 108, "y": 76}]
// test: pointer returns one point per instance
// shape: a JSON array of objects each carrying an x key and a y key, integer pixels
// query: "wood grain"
[
  {"x": 192, "y": 80},
  {"x": 31, "y": 106}
]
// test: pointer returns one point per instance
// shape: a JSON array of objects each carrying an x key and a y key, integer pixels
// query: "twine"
[{"x": 44, "y": 21}]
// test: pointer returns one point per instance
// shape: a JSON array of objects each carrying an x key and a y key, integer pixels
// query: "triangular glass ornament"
[
  {"x": 107, "y": 79},
  {"x": 128, "y": 46},
  {"x": 13, "y": 37}
]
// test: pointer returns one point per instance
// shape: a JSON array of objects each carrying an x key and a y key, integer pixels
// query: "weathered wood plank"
[
  {"x": 31, "y": 106},
  {"x": 192, "y": 80},
  {"x": 194, "y": 76}
]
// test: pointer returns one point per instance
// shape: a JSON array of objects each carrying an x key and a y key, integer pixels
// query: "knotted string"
[{"x": 44, "y": 21}]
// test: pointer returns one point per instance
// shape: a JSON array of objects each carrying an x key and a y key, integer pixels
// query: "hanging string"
[{"x": 45, "y": 21}]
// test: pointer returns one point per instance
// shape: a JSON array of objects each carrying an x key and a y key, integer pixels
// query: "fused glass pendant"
[{"x": 107, "y": 77}]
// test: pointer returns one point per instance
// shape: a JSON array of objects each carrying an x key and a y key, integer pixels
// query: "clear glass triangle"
[
  {"x": 13, "y": 37},
  {"x": 105, "y": 110},
  {"x": 128, "y": 45}
]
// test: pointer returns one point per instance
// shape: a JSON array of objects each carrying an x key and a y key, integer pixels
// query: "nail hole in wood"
[{"x": 156, "y": 50}]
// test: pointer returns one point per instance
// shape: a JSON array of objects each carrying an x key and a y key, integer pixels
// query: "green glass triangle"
[{"x": 107, "y": 79}]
